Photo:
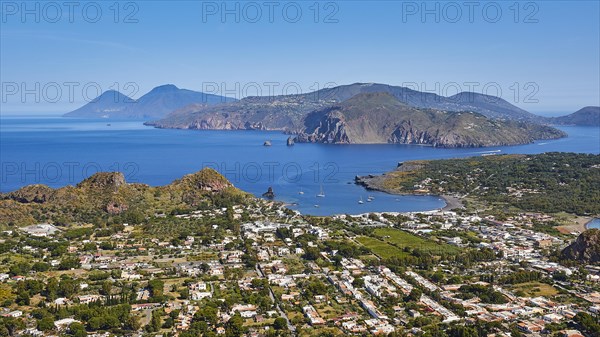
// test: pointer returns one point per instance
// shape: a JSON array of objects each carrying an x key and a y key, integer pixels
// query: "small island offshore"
[{"x": 106, "y": 257}]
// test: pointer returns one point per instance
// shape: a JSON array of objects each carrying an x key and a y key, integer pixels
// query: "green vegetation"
[
  {"x": 548, "y": 182},
  {"x": 534, "y": 289},
  {"x": 380, "y": 248},
  {"x": 402, "y": 239},
  {"x": 106, "y": 198},
  {"x": 379, "y": 117},
  {"x": 589, "y": 323},
  {"x": 486, "y": 293},
  {"x": 521, "y": 277}
]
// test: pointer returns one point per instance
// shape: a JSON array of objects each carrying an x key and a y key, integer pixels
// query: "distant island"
[
  {"x": 381, "y": 118},
  {"x": 588, "y": 116},
  {"x": 157, "y": 103},
  {"x": 349, "y": 114}
]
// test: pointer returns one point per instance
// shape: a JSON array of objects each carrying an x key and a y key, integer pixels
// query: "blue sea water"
[
  {"x": 593, "y": 224},
  {"x": 58, "y": 151}
]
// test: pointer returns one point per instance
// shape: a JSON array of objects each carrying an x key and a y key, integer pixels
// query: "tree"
[
  {"x": 23, "y": 297},
  {"x": 9, "y": 326},
  {"x": 45, "y": 324},
  {"x": 415, "y": 295},
  {"x": 358, "y": 282},
  {"x": 106, "y": 287},
  {"x": 235, "y": 326},
  {"x": 68, "y": 287},
  {"x": 51, "y": 290},
  {"x": 280, "y": 323},
  {"x": 155, "y": 322},
  {"x": 156, "y": 289},
  {"x": 77, "y": 329},
  {"x": 40, "y": 266},
  {"x": 69, "y": 263}
]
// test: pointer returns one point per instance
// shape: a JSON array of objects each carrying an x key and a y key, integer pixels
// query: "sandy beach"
[{"x": 577, "y": 227}]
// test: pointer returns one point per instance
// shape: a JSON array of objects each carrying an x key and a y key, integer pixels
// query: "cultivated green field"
[
  {"x": 382, "y": 249},
  {"x": 402, "y": 239}
]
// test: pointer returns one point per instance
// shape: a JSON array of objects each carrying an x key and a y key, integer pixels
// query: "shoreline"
[
  {"x": 451, "y": 202},
  {"x": 579, "y": 226},
  {"x": 586, "y": 226}
]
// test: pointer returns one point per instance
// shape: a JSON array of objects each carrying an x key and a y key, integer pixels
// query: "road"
[{"x": 282, "y": 313}]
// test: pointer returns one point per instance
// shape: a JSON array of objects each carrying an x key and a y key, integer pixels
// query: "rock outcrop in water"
[{"x": 269, "y": 194}]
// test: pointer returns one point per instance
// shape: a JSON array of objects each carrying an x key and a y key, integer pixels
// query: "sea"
[
  {"x": 58, "y": 151},
  {"x": 595, "y": 223}
]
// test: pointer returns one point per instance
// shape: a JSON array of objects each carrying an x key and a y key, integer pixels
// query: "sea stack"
[{"x": 269, "y": 194}]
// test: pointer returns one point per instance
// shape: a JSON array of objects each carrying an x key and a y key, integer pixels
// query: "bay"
[{"x": 58, "y": 151}]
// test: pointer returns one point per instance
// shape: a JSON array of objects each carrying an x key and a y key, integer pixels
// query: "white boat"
[
  {"x": 361, "y": 201},
  {"x": 301, "y": 192},
  {"x": 316, "y": 206},
  {"x": 321, "y": 194}
]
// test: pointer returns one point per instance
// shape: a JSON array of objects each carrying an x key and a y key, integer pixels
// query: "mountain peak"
[
  {"x": 111, "y": 180},
  {"x": 206, "y": 179},
  {"x": 587, "y": 116},
  {"x": 165, "y": 88},
  {"x": 114, "y": 96}
]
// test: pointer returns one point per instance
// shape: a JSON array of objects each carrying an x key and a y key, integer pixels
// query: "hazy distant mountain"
[
  {"x": 251, "y": 113},
  {"x": 588, "y": 116},
  {"x": 382, "y": 118},
  {"x": 155, "y": 104},
  {"x": 287, "y": 112},
  {"x": 110, "y": 103},
  {"x": 490, "y": 106}
]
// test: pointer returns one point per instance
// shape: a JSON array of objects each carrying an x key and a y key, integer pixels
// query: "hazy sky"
[{"x": 542, "y": 56}]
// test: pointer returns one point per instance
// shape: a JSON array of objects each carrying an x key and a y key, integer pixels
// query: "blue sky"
[{"x": 546, "y": 62}]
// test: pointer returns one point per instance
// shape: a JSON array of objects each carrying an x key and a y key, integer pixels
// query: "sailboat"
[
  {"x": 301, "y": 191},
  {"x": 361, "y": 201},
  {"x": 370, "y": 198},
  {"x": 321, "y": 194}
]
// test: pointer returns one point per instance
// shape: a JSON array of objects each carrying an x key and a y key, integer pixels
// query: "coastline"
[
  {"x": 586, "y": 226},
  {"x": 451, "y": 202},
  {"x": 370, "y": 182},
  {"x": 580, "y": 225}
]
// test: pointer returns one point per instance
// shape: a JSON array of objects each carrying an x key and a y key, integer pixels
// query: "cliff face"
[
  {"x": 381, "y": 118},
  {"x": 586, "y": 248}
]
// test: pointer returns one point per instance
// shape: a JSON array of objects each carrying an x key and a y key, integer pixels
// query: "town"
[{"x": 264, "y": 270}]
